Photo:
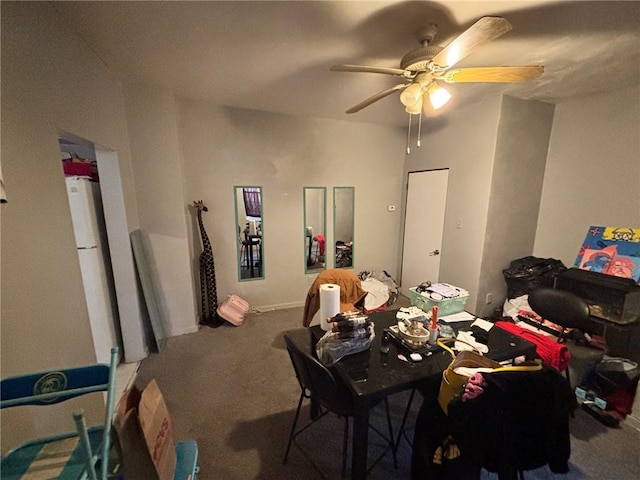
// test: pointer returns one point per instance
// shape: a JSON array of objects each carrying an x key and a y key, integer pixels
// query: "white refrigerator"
[{"x": 91, "y": 242}]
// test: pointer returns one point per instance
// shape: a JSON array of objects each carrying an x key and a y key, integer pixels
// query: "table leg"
[{"x": 360, "y": 443}]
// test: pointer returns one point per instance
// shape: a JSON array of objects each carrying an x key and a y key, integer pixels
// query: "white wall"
[
  {"x": 593, "y": 172},
  {"x": 223, "y": 147},
  {"x": 51, "y": 82},
  {"x": 152, "y": 116}
]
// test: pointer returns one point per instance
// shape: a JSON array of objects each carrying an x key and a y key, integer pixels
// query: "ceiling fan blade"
[
  {"x": 376, "y": 97},
  {"x": 492, "y": 74},
  {"x": 365, "y": 69},
  {"x": 484, "y": 30}
]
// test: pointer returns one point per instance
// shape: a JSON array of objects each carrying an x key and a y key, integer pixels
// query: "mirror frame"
[
  {"x": 336, "y": 204},
  {"x": 237, "y": 199},
  {"x": 323, "y": 220}
]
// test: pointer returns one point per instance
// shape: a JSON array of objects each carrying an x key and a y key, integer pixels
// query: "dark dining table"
[{"x": 372, "y": 375}]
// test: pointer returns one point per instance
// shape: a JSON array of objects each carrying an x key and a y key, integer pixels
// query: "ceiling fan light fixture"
[
  {"x": 416, "y": 108},
  {"x": 411, "y": 95},
  {"x": 438, "y": 96}
]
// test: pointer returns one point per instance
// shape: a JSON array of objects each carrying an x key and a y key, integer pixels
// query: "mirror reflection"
[
  {"x": 249, "y": 232},
  {"x": 315, "y": 226},
  {"x": 343, "y": 217}
]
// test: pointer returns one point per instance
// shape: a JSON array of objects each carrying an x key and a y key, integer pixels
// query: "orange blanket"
[{"x": 351, "y": 292}]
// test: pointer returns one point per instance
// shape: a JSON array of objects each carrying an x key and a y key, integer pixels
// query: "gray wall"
[
  {"x": 223, "y": 147},
  {"x": 593, "y": 172},
  {"x": 51, "y": 82},
  {"x": 516, "y": 185}
]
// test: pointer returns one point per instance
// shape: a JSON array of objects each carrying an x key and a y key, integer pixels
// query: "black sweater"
[{"x": 519, "y": 422}]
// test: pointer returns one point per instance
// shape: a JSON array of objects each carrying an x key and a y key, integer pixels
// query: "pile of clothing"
[{"x": 381, "y": 288}]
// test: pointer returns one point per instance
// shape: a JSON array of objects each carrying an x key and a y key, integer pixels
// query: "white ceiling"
[{"x": 275, "y": 56}]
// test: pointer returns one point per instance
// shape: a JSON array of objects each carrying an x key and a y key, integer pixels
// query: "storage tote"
[{"x": 446, "y": 306}]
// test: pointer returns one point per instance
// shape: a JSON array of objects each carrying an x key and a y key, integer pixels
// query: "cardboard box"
[{"x": 143, "y": 426}]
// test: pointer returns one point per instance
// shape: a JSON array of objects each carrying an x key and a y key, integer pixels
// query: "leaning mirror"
[
  {"x": 315, "y": 228},
  {"x": 343, "y": 206},
  {"x": 249, "y": 232}
]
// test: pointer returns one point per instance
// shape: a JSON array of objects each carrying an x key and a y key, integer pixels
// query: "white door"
[{"x": 423, "y": 227}]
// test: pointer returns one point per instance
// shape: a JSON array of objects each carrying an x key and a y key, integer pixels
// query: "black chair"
[
  {"x": 568, "y": 311},
  {"x": 317, "y": 383},
  {"x": 247, "y": 243}
]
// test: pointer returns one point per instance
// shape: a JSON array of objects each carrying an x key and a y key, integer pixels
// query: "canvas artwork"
[{"x": 611, "y": 250}]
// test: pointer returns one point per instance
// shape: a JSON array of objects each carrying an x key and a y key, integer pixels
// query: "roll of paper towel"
[{"x": 329, "y": 303}]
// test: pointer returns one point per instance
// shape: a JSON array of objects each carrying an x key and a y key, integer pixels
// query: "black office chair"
[
  {"x": 319, "y": 384},
  {"x": 568, "y": 311}
]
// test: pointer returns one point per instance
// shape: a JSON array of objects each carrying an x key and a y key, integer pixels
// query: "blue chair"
[{"x": 80, "y": 454}]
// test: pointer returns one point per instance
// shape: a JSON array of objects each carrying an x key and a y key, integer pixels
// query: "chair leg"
[
  {"x": 86, "y": 446},
  {"x": 566, "y": 373},
  {"x": 293, "y": 429}
]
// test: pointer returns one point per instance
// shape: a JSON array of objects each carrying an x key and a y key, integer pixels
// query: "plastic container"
[{"x": 446, "y": 306}]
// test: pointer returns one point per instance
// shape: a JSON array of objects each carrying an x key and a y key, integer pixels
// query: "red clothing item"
[
  {"x": 549, "y": 350},
  {"x": 321, "y": 241}
]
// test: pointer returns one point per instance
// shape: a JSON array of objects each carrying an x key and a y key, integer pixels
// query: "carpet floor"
[{"x": 233, "y": 390}]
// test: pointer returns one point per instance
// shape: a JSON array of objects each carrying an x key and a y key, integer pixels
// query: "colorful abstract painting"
[{"x": 611, "y": 250}]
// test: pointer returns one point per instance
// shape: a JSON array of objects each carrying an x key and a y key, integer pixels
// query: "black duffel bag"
[{"x": 528, "y": 273}]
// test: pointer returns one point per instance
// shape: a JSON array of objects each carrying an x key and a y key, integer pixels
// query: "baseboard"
[
  {"x": 632, "y": 421},
  {"x": 184, "y": 331},
  {"x": 277, "y": 306}
]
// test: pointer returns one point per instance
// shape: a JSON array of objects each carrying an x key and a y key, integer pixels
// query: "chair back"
[
  {"x": 560, "y": 307},
  {"x": 58, "y": 385},
  {"x": 319, "y": 381}
]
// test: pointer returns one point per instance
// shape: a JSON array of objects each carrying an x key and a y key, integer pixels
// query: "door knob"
[{"x": 434, "y": 253}]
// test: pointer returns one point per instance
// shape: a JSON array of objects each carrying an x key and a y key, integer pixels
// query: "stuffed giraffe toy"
[{"x": 208, "y": 294}]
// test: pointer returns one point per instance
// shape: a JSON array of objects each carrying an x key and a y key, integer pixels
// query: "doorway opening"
[{"x": 96, "y": 201}]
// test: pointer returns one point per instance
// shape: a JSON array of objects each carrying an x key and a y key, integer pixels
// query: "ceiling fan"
[{"x": 422, "y": 68}]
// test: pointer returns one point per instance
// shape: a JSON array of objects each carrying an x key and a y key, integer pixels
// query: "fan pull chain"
[
  {"x": 419, "y": 129},
  {"x": 409, "y": 137}
]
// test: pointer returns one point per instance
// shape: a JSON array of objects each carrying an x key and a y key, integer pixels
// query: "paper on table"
[
  {"x": 470, "y": 341},
  {"x": 483, "y": 324},
  {"x": 444, "y": 290},
  {"x": 458, "y": 317}
]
